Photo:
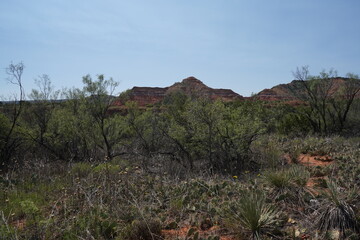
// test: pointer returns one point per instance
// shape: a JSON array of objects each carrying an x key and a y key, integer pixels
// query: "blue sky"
[{"x": 243, "y": 45}]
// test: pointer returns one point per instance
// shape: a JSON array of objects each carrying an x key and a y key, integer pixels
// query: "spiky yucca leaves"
[
  {"x": 299, "y": 175},
  {"x": 254, "y": 215},
  {"x": 289, "y": 185},
  {"x": 337, "y": 212},
  {"x": 295, "y": 175},
  {"x": 278, "y": 179},
  {"x": 280, "y": 184}
]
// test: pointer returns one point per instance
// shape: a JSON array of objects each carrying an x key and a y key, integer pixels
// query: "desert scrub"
[
  {"x": 284, "y": 178},
  {"x": 123, "y": 163},
  {"x": 348, "y": 164},
  {"x": 312, "y": 145},
  {"x": 289, "y": 185},
  {"x": 25, "y": 218},
  {"x": 279, "y": 179},
  {"x": 16, "y": 201},
  {"x": 106, "y": 168},
  {"x": 81, "y": 169},
  {"x": 267, "y": 152},
  {"x": 253, "y": 215},
  {"x": 193, "y": 234},
  {"x": 202, "y": 195},
  {"x": 95, "y": 223},
  {"x": 7, "y": 231},
  {"x": 142, "y": 229},
  {"x": 26, "y": 203},
  {"x": 337, "y": 211},
  {"x": 299, "y": 175}
]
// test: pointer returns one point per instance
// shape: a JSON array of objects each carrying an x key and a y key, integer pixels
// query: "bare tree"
[
  {"x": 14, "y": 72},
  {"x": 42, "y": 108},
  {"x": 341, "y": 105},
  {"x": 328, "y": 98},
  {"x": 45, "y": 91},
  {"x": 317, "y": 91}
]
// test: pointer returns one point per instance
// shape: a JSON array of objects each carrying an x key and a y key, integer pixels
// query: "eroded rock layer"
[{"x": 190, "y": 86}]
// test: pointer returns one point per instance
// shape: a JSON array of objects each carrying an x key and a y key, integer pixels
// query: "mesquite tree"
[{"x": 329, "y": 98}]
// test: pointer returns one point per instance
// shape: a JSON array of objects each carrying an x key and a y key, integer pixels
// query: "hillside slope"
[{"x": 294, "y": 90}]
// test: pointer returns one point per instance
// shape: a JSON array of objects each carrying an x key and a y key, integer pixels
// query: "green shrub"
[
  {"x": 122, "y": 163},
  {"x": 94, "y": 222},
  {"x": 267, "y": 152},
  {"x": 28, "y": 207},
  {"x": 106, "y": 168},
  {"x": 81, "y": 169}
]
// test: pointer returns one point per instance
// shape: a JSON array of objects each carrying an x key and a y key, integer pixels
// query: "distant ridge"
[
  {"x": 288, "y": 92},
  {"x": 193, "y": 87},
  {"x": 190, "y": 86}
]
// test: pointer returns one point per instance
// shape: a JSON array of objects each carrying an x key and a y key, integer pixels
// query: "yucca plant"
[
  {"x": 299, "y": 175},
  {"x": 289, "y": 185},
  {"x": 254, "y": 215},
  {"x": 278, "y": 179},
  {"x": 337, "y": 212},
  {"x": 295, "y": 175},
  {"x": 280, "y": 184}
]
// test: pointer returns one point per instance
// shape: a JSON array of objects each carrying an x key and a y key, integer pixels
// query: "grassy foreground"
[{"x": 308, "y": 189}]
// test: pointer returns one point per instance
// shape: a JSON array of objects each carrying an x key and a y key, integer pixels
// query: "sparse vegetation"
[{"x": 187, "y": 168}]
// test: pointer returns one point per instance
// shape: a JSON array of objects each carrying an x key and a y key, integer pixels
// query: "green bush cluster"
[{"x": 83, "y": 168}]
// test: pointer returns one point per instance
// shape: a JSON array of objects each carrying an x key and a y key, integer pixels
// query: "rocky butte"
[
  {"x": 193, "y": 87},
  {"x": 190, "y": 86}
]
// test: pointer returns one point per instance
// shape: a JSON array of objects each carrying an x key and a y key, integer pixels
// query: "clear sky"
[{"x": 244, "y": 45}]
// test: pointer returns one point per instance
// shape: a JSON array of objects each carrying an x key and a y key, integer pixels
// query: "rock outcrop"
[
  {"x": 190, "y": 86},
  {"x": 146, "y": 95},
  {"x": 290, "y": 93}
]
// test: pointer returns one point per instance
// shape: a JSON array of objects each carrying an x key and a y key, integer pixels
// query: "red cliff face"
[
  {"x": 277, "y": 93},
  {"x": 147, "y": 95},
  {"x": 190, "y": 86}
]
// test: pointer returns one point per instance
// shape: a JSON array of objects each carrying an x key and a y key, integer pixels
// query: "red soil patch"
[
  {"x": 312, "y": 161},
  {"x": 308, "y": 160},
  {"x": 182, "y": 232},
  {"x": 171, "y": 234},
  {"x": 313, "y": 181}
]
